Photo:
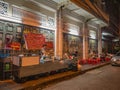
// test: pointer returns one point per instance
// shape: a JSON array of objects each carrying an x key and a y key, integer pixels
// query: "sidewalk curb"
[
  {"x": 94, "y": 67},
  {"x": 42, "y": 85}
]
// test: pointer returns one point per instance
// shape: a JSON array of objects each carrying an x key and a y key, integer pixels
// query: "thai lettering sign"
[{"x": 34, "y": 41}]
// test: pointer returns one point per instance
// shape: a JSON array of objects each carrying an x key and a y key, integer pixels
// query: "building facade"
[{"x": 67, "y": 27}]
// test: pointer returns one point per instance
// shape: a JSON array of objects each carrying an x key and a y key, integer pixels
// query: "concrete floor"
[{"x": 104, "y": 78}]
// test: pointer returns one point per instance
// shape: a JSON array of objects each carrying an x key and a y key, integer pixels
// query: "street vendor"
[
  {"x": 43, "y": 53},
  {"x": 93, "y": 55},
  {"x": 75, "y": 54},
  {"x": 43, "y": 49}
]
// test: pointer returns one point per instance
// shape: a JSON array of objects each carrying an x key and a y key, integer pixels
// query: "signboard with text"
[{"x": 34, "y": 41}]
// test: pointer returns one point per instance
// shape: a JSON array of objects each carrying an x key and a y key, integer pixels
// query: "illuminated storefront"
[
  {"x": 93, "y": 41},
  {"x": 72, "y": 40}
]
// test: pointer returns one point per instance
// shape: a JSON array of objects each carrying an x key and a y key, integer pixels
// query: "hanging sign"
[
  {"x": 34, "y": 41},
  {"x": 15, "y": 45},
  {"x": 49, "y": 44}
]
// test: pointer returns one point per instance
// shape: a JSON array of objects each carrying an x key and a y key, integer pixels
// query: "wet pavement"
[{"x": 42, "y": 82}]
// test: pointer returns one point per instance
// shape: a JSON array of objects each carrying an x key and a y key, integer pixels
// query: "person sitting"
[
  {"x": 43, "y": 49},
  {"x": 43, "y": 54},
  {"x": 65, "y": 56},
  {"x": 93, "y": 55}
]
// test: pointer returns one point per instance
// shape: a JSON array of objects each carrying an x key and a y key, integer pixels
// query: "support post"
[{"x": 85, "y": 41}]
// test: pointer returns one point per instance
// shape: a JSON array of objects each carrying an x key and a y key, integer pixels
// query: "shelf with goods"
[
  {"x": 19, "y": 54},
  {"x": 5, "y": 67},
  {"x": 9, "y": 33}
]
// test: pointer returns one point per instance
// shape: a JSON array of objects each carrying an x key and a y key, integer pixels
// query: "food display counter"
[
  {"x": 23, "y": 61},
  {"x": 27, "y": 66}
]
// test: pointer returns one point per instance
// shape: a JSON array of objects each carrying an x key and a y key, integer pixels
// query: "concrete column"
[
  {"x": 85, "y": 41},
  {"x": 99, "y": 41},
  {"x": 59, "y": 34},
  {"x": 55, "y": 42}
]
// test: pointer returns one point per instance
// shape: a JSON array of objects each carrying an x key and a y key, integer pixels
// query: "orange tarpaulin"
[
  {"x": 49, "y": 44},
  {"x": 34, "y": 41}
]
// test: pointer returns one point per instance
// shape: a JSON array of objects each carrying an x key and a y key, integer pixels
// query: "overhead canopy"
[
  {"x": 92, "y": 8},
  {"x": 86, "y": 9}
]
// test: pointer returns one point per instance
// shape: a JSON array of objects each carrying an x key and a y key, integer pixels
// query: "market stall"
[
  {"x": 26, "y": 48},
  {"x": 37, "y": 55}
]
